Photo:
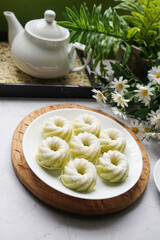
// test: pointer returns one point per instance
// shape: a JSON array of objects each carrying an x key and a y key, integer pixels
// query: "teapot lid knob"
[{"x": 49, "y": 16}]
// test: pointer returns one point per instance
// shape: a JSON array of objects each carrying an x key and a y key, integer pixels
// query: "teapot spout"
[{"x": 14, "y": 27}]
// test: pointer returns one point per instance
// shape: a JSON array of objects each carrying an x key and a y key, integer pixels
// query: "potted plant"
[
  {"x": 105, "y": 32},
  {"x": 137, "y": 36},
  {"x": 144, "y": 15}
]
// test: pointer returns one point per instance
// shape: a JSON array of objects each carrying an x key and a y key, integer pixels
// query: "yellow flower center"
[
  {"x": 135, "y": 129},
  {"x": 144, "y": 91},
  {"x": 100, "y": 95},
  {"x": 119, "y": 98},
  {"x": 159, "y": 120},
  {"x": 120, "y": 85},
  {"x": 146, "y": 130},
  {"x": 158, "y": 75}
]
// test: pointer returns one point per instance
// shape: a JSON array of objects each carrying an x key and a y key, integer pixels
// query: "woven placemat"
[{"x": 9, "y": 73}]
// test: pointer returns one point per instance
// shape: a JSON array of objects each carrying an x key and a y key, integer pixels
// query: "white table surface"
[{"x": 24, "y": 217}]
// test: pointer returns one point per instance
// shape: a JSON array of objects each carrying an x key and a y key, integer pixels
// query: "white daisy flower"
[
  {"x": 154, "y": 118},
  {"x": 137, "y": 127},
  {"x": 154, "y": 75},
  {"x": 144, "y": 93},
  {"x": 120, "y": 85},
  {"x": 118, "y": 112},
  {"x": 153, "y": 135},
  {"x": 147, "y": 127},
  {"x": 100, "y": 98},
  {"x": 118, "y": 98}
]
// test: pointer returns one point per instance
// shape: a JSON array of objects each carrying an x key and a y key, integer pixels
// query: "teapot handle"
[{"x": 80, "y": 47}]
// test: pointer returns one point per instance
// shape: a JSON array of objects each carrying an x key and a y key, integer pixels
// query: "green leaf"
[
  {"x": 108, "y": 42},
  {"x": 129, "y": 5},
  {"x": 132, "y": 32},
  {"x": 84, "y": 17},
  {"x": 116, "y": 46},
  {"x": 141, "y": 18},
  {"x": 89, "y": 42},
  {"x": 107, "y": 17},
  {"x": 154, "y": 106},
  {"x": 141, "y": 113},
  {"x": 97, "y": 60},
  {"x": 82, "y": 37},
  {"x": 98, "y": 43},
  {"x": 126, "y": 54},
  {"x": 75, "y": 11},
  {"x": 116, "y": 26},
  {"x": 117, "y": 71},
  {"x": 66, "y": 17},
  {"x": 87, "y": 13},
  {"x": 69, "y": 25},
  {"x": 101, "y": 27},
  {"x": 96, "y": 17},
  {"x": 74, "y": 36},
  {"x": 74, "y": 17}
]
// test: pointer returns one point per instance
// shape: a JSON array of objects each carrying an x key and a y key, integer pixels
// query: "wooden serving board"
[{"x": 60, "y": 200}]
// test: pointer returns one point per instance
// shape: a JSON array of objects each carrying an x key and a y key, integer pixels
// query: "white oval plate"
[
  {"x": 156, "y": 174},
  {"x": 33, "y": 137}
]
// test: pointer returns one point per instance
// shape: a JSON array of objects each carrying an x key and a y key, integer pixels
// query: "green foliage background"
[{"x": 26, "y": 10}]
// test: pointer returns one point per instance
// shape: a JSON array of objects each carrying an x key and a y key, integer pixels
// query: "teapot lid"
[{"x": 46, "y": 29}]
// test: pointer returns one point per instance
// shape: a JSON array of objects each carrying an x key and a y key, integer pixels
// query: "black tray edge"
[{"x": 47, "y": 91}]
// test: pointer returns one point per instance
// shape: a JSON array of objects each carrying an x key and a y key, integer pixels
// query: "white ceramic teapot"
[{"x": 42, "y": 49}]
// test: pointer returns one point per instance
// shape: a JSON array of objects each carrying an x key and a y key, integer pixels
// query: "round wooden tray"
[{"x": 60, "y": 200}]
